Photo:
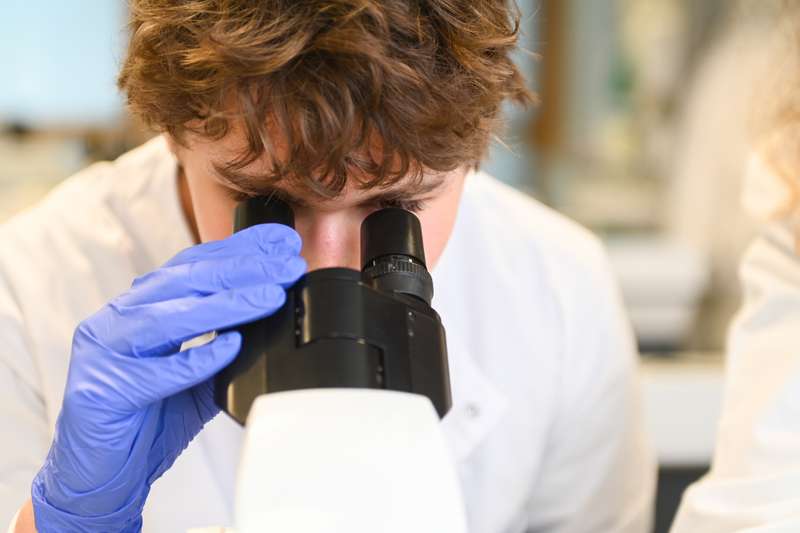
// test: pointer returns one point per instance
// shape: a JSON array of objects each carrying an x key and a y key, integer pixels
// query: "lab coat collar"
[{"x": 478, "y": 404}]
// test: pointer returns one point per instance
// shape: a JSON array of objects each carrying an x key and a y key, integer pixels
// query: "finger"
[
  {"x": 151, "y": 379},
  {"x": 154, "y": 329},
  {"x": 206, "y": 277},
  {"x": 270, "y": 239}
]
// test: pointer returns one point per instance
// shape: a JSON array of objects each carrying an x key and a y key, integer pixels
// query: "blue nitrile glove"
[{"x": 132, "y": 401}]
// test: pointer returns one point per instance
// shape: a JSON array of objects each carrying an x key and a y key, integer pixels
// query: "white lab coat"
[
  {"x": 754, "y": 483},
  {"x": 546, "y": 425}
]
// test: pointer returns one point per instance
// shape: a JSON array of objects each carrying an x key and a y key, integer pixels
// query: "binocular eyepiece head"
[
  {"x": 392, "y": 252},
  {"x": 345, "y": 328}
]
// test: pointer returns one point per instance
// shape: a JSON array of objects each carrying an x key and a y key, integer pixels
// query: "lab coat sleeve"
[
  {"x": 754, "y": 483},
  {"x": 599, "y": 468},
  {"x": 25, "y": 429}
]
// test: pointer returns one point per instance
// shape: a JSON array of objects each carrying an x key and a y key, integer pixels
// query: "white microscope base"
[{"x": 349, "y": 460}]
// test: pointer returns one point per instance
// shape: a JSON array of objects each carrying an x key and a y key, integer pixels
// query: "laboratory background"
[{"x": 641, "y": 134}]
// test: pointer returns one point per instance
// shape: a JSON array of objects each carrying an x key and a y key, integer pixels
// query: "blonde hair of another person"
[{"x": 776, "y": 127}]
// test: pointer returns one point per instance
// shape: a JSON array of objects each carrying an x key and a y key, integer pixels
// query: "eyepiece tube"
[
  {"x": 391, "y": 231},
  {"x": 393, "y": 255},
  {"x": 262, "y": 210}
]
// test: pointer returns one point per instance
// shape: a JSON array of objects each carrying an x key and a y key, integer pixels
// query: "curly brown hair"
[{"x": 422, "y": 79}]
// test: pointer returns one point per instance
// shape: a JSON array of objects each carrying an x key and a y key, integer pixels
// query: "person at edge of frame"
[{"x": 754, "y": 481}]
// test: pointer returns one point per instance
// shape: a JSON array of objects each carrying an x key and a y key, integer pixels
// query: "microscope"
[{"x": 341, "y": 392}]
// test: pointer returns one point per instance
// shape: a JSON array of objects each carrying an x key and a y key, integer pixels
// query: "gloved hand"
[{"x": 133, "y": 401}]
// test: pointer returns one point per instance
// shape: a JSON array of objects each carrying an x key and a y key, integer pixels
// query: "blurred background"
[{"x": 642, "y": 135}]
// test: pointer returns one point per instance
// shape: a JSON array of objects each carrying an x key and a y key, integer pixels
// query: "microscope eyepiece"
[
  {"x": 392, "y": 254},
  {"x": 391, "y": 231},
  {"x": 263, "y": 210}
]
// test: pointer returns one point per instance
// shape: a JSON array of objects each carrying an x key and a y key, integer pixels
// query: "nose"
[{"x": 330, "y": 239}]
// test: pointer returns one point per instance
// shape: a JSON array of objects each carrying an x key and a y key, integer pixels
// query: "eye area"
[
  {"x": 240, "y": 196},
  {"x": 237, "y": 196},
  {"x": 415, "y": 205}
]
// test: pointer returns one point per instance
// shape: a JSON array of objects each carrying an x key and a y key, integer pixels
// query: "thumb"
[{"x": 185, "y": 369}]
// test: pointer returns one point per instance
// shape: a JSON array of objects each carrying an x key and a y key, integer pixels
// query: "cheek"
[
  {"x": 213, "y": 208},
  {"x": 214, "y": 214},
  {"x": 437, "y": 221}
]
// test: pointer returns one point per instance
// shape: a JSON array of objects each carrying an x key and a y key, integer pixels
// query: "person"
[
  {"x": 755, "y": 475},
  {"x": 340, "y": 108}
]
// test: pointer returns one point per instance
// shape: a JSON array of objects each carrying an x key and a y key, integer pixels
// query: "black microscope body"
[{"x": 341, "y": 328}]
